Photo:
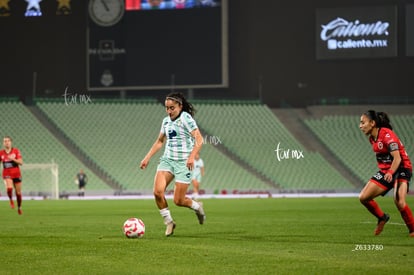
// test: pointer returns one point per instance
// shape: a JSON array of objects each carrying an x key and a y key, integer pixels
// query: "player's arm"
[
  {"x": 18, "y": 160},
  {"x": 394, "y": 165},
  {"x": 197, "y": 147},
  {"x": 154, "y": 149},
  {"x": 202, "y": 170}
]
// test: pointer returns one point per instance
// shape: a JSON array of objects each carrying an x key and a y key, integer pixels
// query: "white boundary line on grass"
[
  {"x": 393, "y": 223},
  {"x": 204, "y": 196}
]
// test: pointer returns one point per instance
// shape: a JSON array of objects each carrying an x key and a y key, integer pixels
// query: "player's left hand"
[
  {"x": 388, "y": 177},
  {"x": 190, "y": 163}
]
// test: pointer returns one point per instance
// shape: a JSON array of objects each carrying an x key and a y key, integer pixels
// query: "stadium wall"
[{"x": 271, "y": 56}]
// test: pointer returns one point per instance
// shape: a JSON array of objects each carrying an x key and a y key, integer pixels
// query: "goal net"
[{"x": 40, "y": 180}]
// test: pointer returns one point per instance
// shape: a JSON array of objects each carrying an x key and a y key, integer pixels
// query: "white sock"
[
  {"x": 195, "y": 205},
  {"x": 166, "y": 214},
  {"x": 195, "y": 195}
]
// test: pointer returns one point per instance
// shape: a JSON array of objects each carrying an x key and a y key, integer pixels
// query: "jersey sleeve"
[
  {"x": 392, "y": 141},
  {"x": 189, "y": 122},
  {"x": 164, "y": 122},
  {"x": 18, "y": 154}
]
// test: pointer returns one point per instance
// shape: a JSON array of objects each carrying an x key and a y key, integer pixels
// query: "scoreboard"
[{"x": 156, "y": 44}]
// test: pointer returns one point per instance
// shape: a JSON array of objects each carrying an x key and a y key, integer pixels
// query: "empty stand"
[
  {"x": 254, "y": 134},
  {"x": 118, "y": 135},
  {"x": 341, "y": 134},
  {"x": 37, "y": 145}
]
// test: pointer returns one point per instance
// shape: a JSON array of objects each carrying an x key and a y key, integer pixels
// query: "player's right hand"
[{"x": 144, "y": 164}]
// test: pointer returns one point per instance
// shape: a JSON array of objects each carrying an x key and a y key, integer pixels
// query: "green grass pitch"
[{"x": 240, "y": 236}]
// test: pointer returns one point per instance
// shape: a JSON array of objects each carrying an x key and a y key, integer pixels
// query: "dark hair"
[
  {"x": 381, "y": 119},
  {"x": 179, "y": 98}
]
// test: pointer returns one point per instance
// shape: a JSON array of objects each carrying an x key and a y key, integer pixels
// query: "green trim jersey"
[{"x": 180, "y": 142}]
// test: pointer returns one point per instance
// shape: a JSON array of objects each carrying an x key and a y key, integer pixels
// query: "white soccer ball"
[{"x": 134, "y": 228}]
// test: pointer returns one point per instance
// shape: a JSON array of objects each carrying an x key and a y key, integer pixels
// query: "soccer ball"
[{"x": 134, "y": 228}]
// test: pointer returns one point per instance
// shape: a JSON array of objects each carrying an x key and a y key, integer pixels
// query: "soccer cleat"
[
  {"x": 381, "y": 222},
  {"x": 201, "y": 215},
  {"x": 170, "y": 229},
  {"x": 19, "y": 211},
  {"x": 12, "y": 204}
]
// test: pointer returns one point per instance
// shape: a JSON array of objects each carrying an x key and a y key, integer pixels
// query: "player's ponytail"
[
  {"x": 381, "y": 119},
  {"x": 180, "y": 99}
]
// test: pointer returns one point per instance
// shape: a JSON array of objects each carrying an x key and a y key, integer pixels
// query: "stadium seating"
[
  {"x": 246, "y": 147},
  {"x": 253, "y": 133},
  {"x": 341, "y": 134},
  {"x": 111, "y": 134},
  {"x": 38, "y": 145},
  {"x": 118, "y": 135}
]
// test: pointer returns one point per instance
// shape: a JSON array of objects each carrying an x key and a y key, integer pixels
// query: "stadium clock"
[{"x": 106, "y": 13}]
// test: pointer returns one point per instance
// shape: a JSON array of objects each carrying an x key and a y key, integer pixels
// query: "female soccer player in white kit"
[{"x": 183, "y": 141}]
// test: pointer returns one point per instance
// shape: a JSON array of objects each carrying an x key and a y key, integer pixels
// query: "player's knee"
[
  {"x": 158, "y": 193},
  {"x": 363, "y": 198},
  {"x": 400, "y": 204},
  {"x": 179, "y": 201}
]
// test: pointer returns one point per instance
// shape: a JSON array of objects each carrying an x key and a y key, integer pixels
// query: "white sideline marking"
[
  {"x": 204, "y": 196},
  {"x": 393, "y": 223}
]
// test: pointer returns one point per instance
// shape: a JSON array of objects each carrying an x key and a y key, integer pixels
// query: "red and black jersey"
[
  {"x": 10, "y": 168},
  {"x": 386, "y": 142}
]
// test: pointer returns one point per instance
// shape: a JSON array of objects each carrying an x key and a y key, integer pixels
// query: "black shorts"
[
  {"x": 15, "y": 180},
  {"x": 402, "y": 174}
]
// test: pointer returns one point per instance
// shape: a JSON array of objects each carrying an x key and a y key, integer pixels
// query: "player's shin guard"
[
  {"x": 166, "y": 214},
  {"x": 19, "y": 200},
  {"x": 374, "y": 208},
  {"x": 10, "y": 193},
  {"x": 408, "y": 218}
]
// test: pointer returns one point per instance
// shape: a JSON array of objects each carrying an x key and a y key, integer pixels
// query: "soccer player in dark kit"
[
  {"x": 81, "y": 179},
  {"x": 395, "y": 169}
]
